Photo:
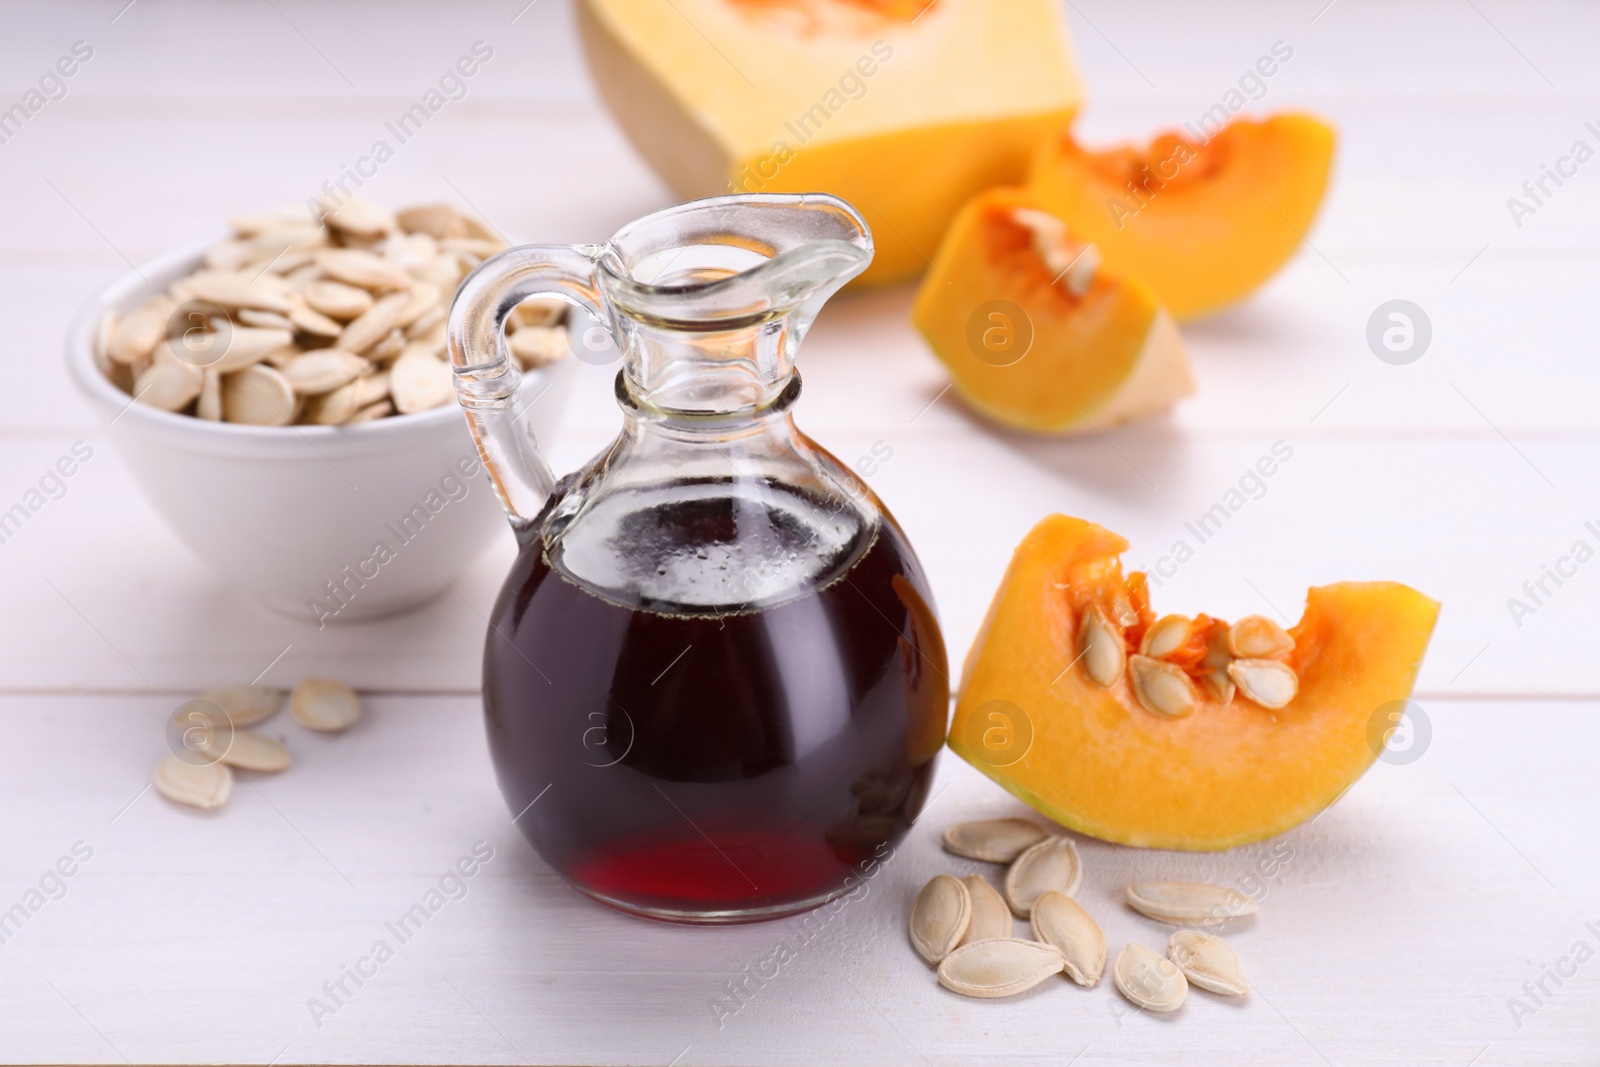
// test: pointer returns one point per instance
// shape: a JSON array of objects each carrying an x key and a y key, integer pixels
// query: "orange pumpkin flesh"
[
  {"x": 1101, "y": 763},
  {"x": 905, "y": 108},
  {"x": 1203, "y": 224},
  {"x": 805, "y": 13},
  {"x": 1025, "y": 350}
]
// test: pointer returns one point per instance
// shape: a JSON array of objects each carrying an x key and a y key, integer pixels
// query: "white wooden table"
[{"x": 1409, "y": 915}]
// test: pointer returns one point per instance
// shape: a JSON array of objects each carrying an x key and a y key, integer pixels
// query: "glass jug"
[{"x": 714, "y": 682}]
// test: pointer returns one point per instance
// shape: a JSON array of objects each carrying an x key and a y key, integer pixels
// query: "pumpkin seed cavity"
[{"x": 1246, "y": 657}]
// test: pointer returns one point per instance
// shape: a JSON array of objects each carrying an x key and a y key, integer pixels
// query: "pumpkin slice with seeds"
[
  {"x": 1036, "y": 334},
  {"x": 1203, "y": 223},
  {"x": 1196, "y": 748}
]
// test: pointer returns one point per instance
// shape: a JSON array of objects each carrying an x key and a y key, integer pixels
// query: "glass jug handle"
[{"x": 486, "y": 377}]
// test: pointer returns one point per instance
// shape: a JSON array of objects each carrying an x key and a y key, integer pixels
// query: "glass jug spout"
[{"x": 707, "y": 302}]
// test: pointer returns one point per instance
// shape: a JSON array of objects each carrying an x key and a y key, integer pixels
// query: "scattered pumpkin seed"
[
  {"x": 1061, "y": 921},
  {"x": 1208, "y": 962},
  {"x": 993, "y": 840},
  {"x": 1050, "y": 866},
  {"x": 999, "y": 968},
  {"x": 1149, "y": 980},
  {"x": 991, "y": 918},
  {"x": 245, "y": 705},
  {"x": 940, "y": 916},
  {"x": 199, "y": 785},
  {"x": 324, "y": 704},
  {"x": 248, "y": 751},
  {"x": 1188, "y": 903}
]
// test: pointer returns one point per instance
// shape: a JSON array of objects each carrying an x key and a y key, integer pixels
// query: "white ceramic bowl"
[{"x": 328, "y": 523}]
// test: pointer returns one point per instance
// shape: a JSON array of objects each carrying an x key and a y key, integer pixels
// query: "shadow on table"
[
  {"x": 1254, "y": 325},
  {"x": 1135, "y": 463}
]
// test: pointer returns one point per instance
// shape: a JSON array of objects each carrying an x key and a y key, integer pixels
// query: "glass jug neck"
[
  {"x": 707, "y": 512},
  {"x": 710, "y": 378},
  {"x": 739, "y": 411}
]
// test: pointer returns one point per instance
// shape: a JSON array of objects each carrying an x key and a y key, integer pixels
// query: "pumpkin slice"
[
  {"x": 1133, "y": 765},
  {"x": 905, "y": 108},
  {"x": 1038, "y": 335},
  {"x": 1203, "y": 222}
]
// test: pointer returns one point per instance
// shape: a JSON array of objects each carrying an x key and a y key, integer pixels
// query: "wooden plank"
[
  {"x": 1423, "y": 50},
  {"x": 567, "y": 174},
  {"x": 1295, "y": 359},
  {"x": 1395, "y": 928},
  {"x": 1466, "y": 520}
]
